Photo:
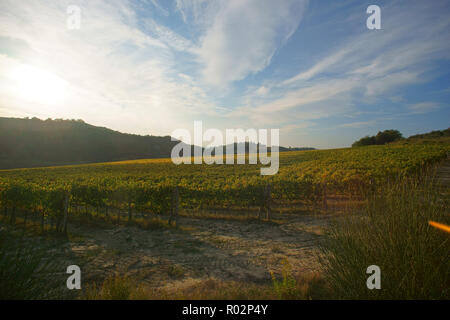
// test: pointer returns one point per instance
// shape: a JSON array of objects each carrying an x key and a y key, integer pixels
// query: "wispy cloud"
[
  {"x": 423, "y": 107},
  {"x": 363, "y": 69},
  {"x": 152, "y": 66},
  {"x": 357, "y": 124},
  {"x": 158, "y": 6},
  {"x": 244, "y": 35},
  {"x": 118, "y": 74}
]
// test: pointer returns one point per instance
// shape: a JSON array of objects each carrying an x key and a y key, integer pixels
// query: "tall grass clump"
[
  {"x": 27, "y": 272},
  {"x": 392, "y": 233},
  {"x": 115, "y": 287},
  {"x": 121, "y": 287}
]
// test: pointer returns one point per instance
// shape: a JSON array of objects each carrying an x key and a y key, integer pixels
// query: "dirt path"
[{"x": 203, "y": 249}]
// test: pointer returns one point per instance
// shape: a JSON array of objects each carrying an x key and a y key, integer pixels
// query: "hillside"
[
  {"x": 246, "y": 147},
  {"x": 395, "y": 137},
  {"x": 35, "y": 142},
  {"x": 434, "y": 137},
  {"x": 437, "y": 134},
  {"x": 26, "y": 143}
]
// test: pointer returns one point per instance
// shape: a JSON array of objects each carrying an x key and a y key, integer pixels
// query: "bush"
[
  {"x": 308, "y": 286},
  {"x": 115, "y": 287},
  {"x": 382, "y": 137},
  {"x": 393, "y": 234},
  {"x": 26, "y": 270},
  {"x": 366, "y": 141}
]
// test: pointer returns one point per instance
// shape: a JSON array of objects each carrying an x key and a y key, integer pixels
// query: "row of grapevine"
[
  {"x": 147, "y": 187},
  {"x": 49, "y": 202}
]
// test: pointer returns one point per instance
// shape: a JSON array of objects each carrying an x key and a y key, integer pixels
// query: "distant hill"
[
  {"x": 35, "y": 142},
  {"x": 437, "y": 136},
  {"x": 432, "y": 135},
  {"x": 26, "y": 143},
  {"x": 256, "y": 146},
  {"x": 394, "y": 136}
]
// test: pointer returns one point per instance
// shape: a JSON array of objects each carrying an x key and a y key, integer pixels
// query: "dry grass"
[
  {"x": 309, "y": 286},
  {"x": 394, "y": 234}
]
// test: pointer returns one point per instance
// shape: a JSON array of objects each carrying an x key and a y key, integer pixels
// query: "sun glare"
[{"x": 38, "y": 85}]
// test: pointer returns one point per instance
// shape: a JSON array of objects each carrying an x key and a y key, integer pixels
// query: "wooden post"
[
  {"x": 325, "y": 204},
  {"x": 175, "y": 206},
  {"x": 372, "y": 186},
  {"x": 130, "y": 212},
  {"x": 12, "y": 219},
  {"x": 42, "y": 221},
  {"x": 171, "y": 210},
  {"x": 262, "y": 204},
  {"x": 268, "y": 202},
  {"x": 265, "y": 204},
  {"x": 58, "y": 221},
  {"x": 26, "y": 218},
  {"x": 66, "y": 213}
]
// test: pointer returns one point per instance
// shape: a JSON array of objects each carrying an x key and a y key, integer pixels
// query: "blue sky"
[{"x": 310, "y": 68}]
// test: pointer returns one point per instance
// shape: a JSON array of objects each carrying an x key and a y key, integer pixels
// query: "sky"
[{"x": 309, "y": 68}]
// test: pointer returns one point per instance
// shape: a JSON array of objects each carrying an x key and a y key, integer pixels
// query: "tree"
[
  {"x": 366, "y": 141},
  {"x": 382, "y": 137},
  {"x": 388, "y": 136}
]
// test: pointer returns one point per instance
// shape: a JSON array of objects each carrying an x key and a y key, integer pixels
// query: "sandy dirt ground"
[{"x": 201, "y": 249}]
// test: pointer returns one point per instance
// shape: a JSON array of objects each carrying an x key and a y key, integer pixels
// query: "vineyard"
[{"x": 147, "y": 187}]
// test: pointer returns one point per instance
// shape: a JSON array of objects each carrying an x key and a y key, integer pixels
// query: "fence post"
[
  {"x": 175, "y": 207},
  {"x": 130, "y": 215},
  {"x": 268, "y": 202},
  {"x": 42, "y": 221},
  {"x": 26, "y": 218},
  {"x": 66, "y": 212},
  {"x": 12, "y": 219},
  {"x": 325, "y": 204},
  {"x": 263, "y": 205}
]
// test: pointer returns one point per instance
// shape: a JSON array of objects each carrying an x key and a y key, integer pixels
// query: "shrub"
[
  {"x": 26, "y": 270},
  {"x": 393, "y": 234},
  {"x": 115, "y": 287},
  {"x": 382, "y": 137}
]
